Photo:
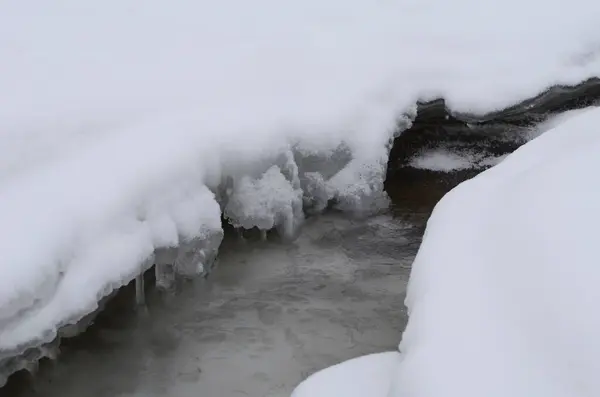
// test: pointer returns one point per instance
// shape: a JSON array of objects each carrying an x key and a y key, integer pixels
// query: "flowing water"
[{"x": 270, "y": 314}]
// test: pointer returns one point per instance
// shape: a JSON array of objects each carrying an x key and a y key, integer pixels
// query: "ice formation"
[
  {"x": 271, "y": 200},
  {"x": 123, "y": 121}
]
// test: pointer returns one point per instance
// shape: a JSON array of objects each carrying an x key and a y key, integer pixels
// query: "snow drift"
[
  {"x": 503, "y": 292},
  {"x": 127, "y": 128},
  {"x": 364, "y": 376}
]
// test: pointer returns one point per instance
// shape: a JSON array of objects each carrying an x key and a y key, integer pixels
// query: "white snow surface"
[
  {"x": 120, "y": 120},
  {"x": 360, "y": 377},
  {"x": 503, "y": 292},
  {"x": 502, "y": 297},
  {"x": 552, "y": 122},
  {"x": 447, "y": 160}
]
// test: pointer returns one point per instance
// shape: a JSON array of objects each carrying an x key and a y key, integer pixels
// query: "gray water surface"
[{"x": 270, "y": 314}]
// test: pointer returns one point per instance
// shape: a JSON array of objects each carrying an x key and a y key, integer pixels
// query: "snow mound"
[
  {"x": 364, "y": 376},
  {"x": 126, "y": 123},
  {"x": 503, "y": 291}
]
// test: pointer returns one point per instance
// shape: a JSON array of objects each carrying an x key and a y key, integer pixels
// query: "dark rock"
[
  {"x": 554, "y": 100},
  {"x": 495, "y": 133}
]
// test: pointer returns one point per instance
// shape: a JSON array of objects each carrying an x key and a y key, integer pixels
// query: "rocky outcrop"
[
  {"x": 554, "y": 100},
  {"x": 497, "y": 133}
]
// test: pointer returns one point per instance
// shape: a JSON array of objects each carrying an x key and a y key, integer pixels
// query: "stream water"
[{"x": 270, "y": 314}]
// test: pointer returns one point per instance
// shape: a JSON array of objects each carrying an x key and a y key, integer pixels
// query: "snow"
[
  {"x": 492, "y": 160},
  {"x": 122, "y": 122},
  {"x": 441, "y": 160},
  {"x": 448, "y": 160},
  {"x": 553, "y": 121},
  {"x": 270, "y": 201},
  {"x": 503, "y": 289},
  {"x": 364, "y": 376},
  {"x": 503, "y": 292}
]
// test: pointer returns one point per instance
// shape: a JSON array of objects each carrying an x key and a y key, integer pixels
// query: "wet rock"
[
  {"x": 556, "y": 99},
  {"x": 496, "y": 133}
]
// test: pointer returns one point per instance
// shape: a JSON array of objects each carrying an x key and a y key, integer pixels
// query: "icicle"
[
  {"x": 240, "y": 233},
  {"x": 197, "y": 255},
  {"x": 140, "y": 296},
  {"x": 164, "y": 267},
  {"x": 32, "y": 367}
]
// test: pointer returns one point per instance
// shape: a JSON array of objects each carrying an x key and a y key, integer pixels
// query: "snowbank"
[
  {"x": 503, "y": 292},
  {"x": 364, "y": 376},
  {"x": 125, "y": 128}
]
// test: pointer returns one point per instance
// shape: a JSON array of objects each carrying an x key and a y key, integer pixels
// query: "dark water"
[{"x": 269, "y": 315}]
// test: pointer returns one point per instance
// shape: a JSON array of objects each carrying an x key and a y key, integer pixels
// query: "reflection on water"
[
  {"x": 270, "y": 314},
  {"x": 415, "y": 192}
]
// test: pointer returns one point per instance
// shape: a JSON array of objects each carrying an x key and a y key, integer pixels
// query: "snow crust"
[
  {"x": 123, "y": 125},
  {"x": 503, "y": 292}
]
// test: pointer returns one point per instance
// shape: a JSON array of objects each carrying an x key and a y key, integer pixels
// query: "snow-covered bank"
[
  {"x": 364, "y": 376},
  {"x": 503, "y": 292},
  {"x": 127, "y": 129}
]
